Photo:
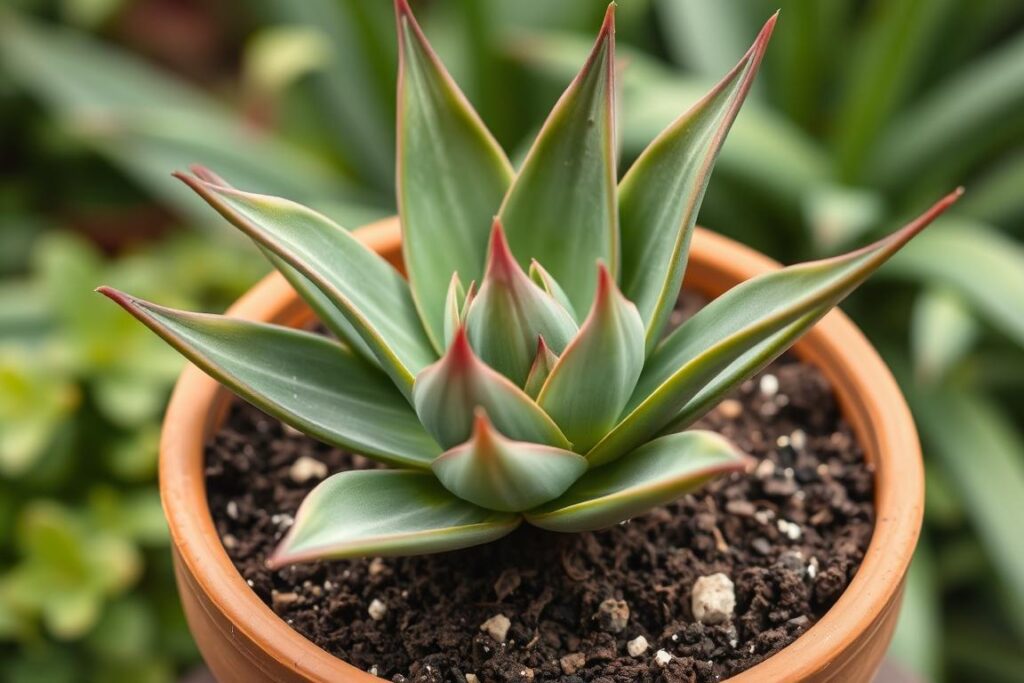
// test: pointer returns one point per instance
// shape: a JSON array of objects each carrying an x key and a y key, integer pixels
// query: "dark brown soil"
[{"x": 790, "y": 535}]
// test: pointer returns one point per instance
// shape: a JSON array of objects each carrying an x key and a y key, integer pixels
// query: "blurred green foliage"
[{"x": 865, "y": 111}]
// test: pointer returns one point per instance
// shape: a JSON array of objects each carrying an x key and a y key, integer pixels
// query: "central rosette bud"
[{"x": 523, "y": 388}]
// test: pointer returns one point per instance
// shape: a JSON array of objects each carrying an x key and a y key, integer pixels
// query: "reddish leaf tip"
[
  {"x": 605, "y": 282},
  {"x": 542, "y": 345},
  {"x": 460, "y": 354},
  {"x": 117, "y": 296},
  {"x": 608, "y": 24},
  {"x": 402, "y": 8},
  {"x": 501, "y": 263}
]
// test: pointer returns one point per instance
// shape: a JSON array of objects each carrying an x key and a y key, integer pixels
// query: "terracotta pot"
[{"x": 243, "y": 640}]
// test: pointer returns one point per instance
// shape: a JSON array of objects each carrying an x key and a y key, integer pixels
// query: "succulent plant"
[{"x": 545, "y": 389}]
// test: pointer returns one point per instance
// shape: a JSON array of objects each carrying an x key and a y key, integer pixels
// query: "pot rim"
[{"x": 865, "y": 388}]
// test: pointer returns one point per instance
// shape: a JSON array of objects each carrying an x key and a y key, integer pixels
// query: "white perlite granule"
[
  {"x": 377, "y": 609},
  {"x": 713, "y": 599},
  {"x": 497, "y": 627},
  {"x": 637, "y": 646}
]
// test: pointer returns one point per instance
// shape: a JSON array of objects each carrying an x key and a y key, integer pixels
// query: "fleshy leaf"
[
  {"x": 452, "y": 175},
  {"x": 661, "y": 194},
  {"x": 327, "y": 312},
  {"x": 543, "y": 362},
  {"x": 654, "y": 474},
  {"x": 561, "y": 208},
  {"x": 737, "y": 322},
  {"x": 371, "y": 294},
  {"x": 510, "y": 312},
  {"x": 447, "y": 392},
  {"x": 308, "y": 381},
  {"x": 595, "y": 375},
  {"x": 547, "y": 282},
  {"x": 456, "y": 305},
  {"x": 385, "y": 512},
  {"x": 501, "y": 474}
]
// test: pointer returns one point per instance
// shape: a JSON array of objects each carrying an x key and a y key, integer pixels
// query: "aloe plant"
[{"x": 523, "y": 371}]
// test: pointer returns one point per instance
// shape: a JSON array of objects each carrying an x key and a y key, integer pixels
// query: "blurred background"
[{"x": 864, "y": 112}]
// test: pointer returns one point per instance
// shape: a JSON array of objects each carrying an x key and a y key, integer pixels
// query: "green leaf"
[
  {"x": 597, "y": 372},
  {"x": 898, "y": 42},
  {"x": 962, "y": 115},
  {"x": 452, "y": 175},
  {"x": 543, "y": 362},
  {"x": 501, "y": 474},
  {"x": 995, "y": 196},
  {"x": 146, "y": 122},
  {"x": 547, "y": 282},
  {"x": 354, "y": 92},
  {"x": 983, "y": 452},
  {"x": 329, "y": 314},
  {"x": 447, "y": 393},
  {"x": 988, "y": 271},
  {"x": 661, "y": 194},
  {"x": 942, "y": 332},
  {"x": 654, "y": 474},
  {"x": 764, "y": 150},
  {"x": 385, "y": 512},
  {"x": 308, "y": 381},
  {"x": 703, "y": 36},
  {"x": 510, "y": 312},
  {"x": 363, "y": 286},
  {"x": 738, "y": 323},
  {"x": 326, "y": 311},
  {"x": 456, "y": 306},
  {"x": 561, "y": 208}
]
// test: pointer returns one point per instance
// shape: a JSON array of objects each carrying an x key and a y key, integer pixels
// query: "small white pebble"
[
  {"x": 497, "y": 627},
  {"x": 765, "y": 469},
  {"x": 637, "y": 646},
  {"x": 306, "y": 468},
  {"x": 798, "y": 439},
  {"x": 471, "y": 678},
  {"x": 373, "y": 671},
  {"x": 791, "y": 530},
  {"x": 232, "y": 509},
  {"x": 812, "y": 567},
  {"x": 229, "y": 541},
  {"x": 376, "y": 567},
  {"x": 782, "y": 441},
  {"x": 377, "y": 610},
  {"x": 769, "y": 385},
  {"x": 662, "y": 658},
  {"x": 713, "y": 599},
  {"x": 250, "y": 583},
  {"x": 764, "y": 516},
  {"x": 572, "y": 662}
]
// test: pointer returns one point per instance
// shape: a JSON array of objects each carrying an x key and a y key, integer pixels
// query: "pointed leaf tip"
[
  {"x": 596, "y": 374},
  {"x": 447, "y": 393},
  {"x": 511, "y": 311},
  {"x": 448, "y": 192},
  {"x": 661, "y": 194},
  {"x": 561, "y": 208},
  {"x": 385, "y": 512},
  {"x": 498, "y": 473}
]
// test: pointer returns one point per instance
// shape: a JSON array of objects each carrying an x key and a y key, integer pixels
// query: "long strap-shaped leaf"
[
  {"x": 502, "y": 474},
  {"x": 308, "y": 381},
  {"x": 448, "y": 392},
  {"x": 326, "y": 311},
  {"x": 661, "y": 194},
  {"x": 561, "y": 209},
  {"x": 738, "y": 321},
  {"x": 654, "y": 474},
  {"x": 386, "y": 512},
  {"x": 452, "y": 175},
  {"x": 371, "y": 294},
  {"x": 596, "y": 374}
]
